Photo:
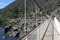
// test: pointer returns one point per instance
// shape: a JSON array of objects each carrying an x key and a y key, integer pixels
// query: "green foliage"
[
  {"x": 14, "y": 22},
  {"x": 14, "y": 12},
  {"x": 5, "y": 15},
  {"x": 3, "y": 21}
]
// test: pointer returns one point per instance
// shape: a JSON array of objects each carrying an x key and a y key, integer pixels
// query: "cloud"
[{"x": 1, "y": 3}]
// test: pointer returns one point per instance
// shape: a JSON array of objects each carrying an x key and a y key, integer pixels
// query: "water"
[{"x": 2, "y": 34}]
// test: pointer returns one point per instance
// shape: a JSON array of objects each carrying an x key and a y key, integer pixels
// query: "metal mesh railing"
[
  {"x": 38, "y": 33},
  {"x": 45, "y": 31}
]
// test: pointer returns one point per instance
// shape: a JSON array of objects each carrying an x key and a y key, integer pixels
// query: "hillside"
[
  {"x": 19, "y": 4},
  {"x": 17, "y": 10},
  {"x": 37, "y": 11}
]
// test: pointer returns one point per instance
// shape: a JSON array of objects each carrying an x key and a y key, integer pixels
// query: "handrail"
[
  {"x": 56, "y": 30},
  {"x": 26, "y": 34},
  {"x": 45, "y": 31},
  {"x": 53, "y": 31}
]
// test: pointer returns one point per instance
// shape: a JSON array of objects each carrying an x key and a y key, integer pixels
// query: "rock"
[
  {"x": 17, "y": 35},
  {"x": 4, "y": 37},
  {"x": 14, "y": 28},
  {"x": 7, "y": 29}
]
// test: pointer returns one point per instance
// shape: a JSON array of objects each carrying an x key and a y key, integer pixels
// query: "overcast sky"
[{"x": 4, "y": 3}]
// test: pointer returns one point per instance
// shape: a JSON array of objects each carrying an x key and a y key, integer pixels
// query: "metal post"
[
  {"x": 52, "y": 15},
  {"x": 53, "y": 33},
  {"x": 36, "y": 14},
  {"x": 25, "y": 13}
]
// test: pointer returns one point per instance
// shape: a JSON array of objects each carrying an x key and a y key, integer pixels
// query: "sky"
[{"x": 4, "y": 3}]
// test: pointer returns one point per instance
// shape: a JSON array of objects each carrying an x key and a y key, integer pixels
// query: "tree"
[
  {"x": 14, "y": 12},
  {"x": 3, "y": 21}
]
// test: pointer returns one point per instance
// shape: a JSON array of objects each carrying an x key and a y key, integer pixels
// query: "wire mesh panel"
[
  {"x": 34, "y": 35},
  {"x": 49, "y": 32},
  {"x": 56, "y": 29},
  {"x": 30, "y": 16},
  {"x": 56, "y": 35},
  {"x": 44, "y": 30}
]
